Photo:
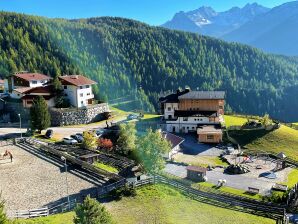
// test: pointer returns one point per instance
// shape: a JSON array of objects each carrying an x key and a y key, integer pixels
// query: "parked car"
[
  {"x": 99, "y": 132},
  {"x": 49, "y": 133},
  {"x": 77, "y": 137},
  {"x": 69, "y": 141},
  {"x": 132, "y": 117}
]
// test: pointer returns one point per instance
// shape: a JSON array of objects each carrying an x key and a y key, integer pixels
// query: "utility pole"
[{"x": 20, "y": 124}]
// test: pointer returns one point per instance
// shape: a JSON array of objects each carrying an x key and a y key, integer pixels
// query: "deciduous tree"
[
  {"x": 127, "y": 138},
  {"x": 89, "y": 141},
  {"x": 150, "y": 149}
]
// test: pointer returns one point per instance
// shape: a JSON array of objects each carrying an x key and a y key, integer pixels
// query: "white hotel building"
[{"x": 78, "y": 89}]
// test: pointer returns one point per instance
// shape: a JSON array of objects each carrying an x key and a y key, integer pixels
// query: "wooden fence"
[
  {"x": 42, "y": 212},
  {"x": 54, "y": 151},
  {"x": 226, "y": 200}
]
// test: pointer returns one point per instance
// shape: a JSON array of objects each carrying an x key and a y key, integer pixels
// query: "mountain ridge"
[{"x": 126, "y": 57}]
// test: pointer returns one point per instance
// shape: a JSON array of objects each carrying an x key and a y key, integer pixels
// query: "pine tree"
[
  {"x": 39, "y": 114},
  {"x": 92, "y": 212}
]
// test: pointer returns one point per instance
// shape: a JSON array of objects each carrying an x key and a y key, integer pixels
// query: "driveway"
[
  {"x": 191, "y": 147},
  {"x": 241, "y": 182},
  {"x": 60, "y": 132}
]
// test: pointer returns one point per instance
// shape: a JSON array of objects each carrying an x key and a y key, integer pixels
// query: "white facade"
[
  {"x": 183, "y": 124},
  {"x": 78, "y": 95},
  {"x": 169, "y": 110}
]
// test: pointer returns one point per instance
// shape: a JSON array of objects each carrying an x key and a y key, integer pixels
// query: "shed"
[
  {"x": 90, "y": 158},
  {"x": 175, "y": 142},
  {"x": 209, "y": 134},
  {"x": 196, "y": 173}
]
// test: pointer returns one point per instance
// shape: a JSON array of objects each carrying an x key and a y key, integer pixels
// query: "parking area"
[
  {"x": 33, "y": 181},
  {"x": 242, "y": 181}
]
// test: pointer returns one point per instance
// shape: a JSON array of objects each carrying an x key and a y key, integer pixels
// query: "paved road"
[
  {"x": 235, "y": 181},
  {"x": 61, "y": 132}
]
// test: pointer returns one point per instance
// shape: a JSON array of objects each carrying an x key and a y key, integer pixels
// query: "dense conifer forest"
[{"x": 129, "y": 58}]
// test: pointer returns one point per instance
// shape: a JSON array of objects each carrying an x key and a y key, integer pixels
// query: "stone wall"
[{"x": 69, "y": 116}]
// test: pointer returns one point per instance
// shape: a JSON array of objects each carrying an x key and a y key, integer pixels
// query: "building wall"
[
  {"x": 205, "y": 138},
  {"x": 203, "y": 105},
  {"x": 189, "y": 124},
  {"x": 169, "y": 110},
  {"x": 93, "y": 113},
  {"x": 79, "y": 95},
  {"x": 38, "y": 83},
  {"x": 28, "y": 103}
]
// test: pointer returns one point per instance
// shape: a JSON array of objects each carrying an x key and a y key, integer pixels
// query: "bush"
[
  {"x": 126, "y": 191},
  {"x": 276, "y": 197}
]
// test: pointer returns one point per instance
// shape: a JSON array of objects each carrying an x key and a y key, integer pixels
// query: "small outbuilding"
[
  {"x": 209, "y": 134},
  {"x": 196, "y": 173}
]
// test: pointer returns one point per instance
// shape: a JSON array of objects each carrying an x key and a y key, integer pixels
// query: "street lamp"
[
  {"x": 20, "y": 125},
  {"x": 66, "y": 180}
]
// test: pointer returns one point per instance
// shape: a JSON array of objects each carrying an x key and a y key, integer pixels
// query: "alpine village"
[{"x": 107, "y": 120}]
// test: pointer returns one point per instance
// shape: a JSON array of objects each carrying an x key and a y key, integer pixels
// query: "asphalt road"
[{"x": 60, "y": 132}]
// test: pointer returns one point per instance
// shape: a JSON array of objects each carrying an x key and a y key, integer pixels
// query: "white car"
[{"x": 70, "y": 141}]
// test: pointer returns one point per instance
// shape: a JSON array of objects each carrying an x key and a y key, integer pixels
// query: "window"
[
  {"x": 34, "y": 82},
  {"x": 169, "y": 108},
  {"x": 185, "y": 119},
  {"x": 29, "y": 102},
  {"x": 65, "y": 94},
  {"x": 81, "y": 94},
  {"x": 87, "y": 86},
  {"x": 210, "y": 137},
  {"x": 88, "y": 94},
  {"x": 220, "y": 107},
  {"x": 82, "y": 102},
  {"x": 42, "y": 81},
  {"x": 65, "y": 87},
  {"x": 170, "y": 116},
  {"x": 193, "y": 128},
  {"x": 187, "y": 127},
  {"x": 81, "y": 87}
]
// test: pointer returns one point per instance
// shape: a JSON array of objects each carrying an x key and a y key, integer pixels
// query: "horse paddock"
[{"x": 33, "y": 180}]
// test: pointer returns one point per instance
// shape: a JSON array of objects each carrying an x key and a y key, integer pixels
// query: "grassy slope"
[
  {"x": 64, "y": 218},
  {"x": 161, "y": 204},
  {"x": 284, "y": 139},
  {"x": 234, "y": 120},
  {"x": 199, "y": 160}
]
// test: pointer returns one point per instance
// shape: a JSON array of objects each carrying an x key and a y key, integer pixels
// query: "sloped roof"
[
  {"x": 203, "y": 95},
  {"x": 32, "y": 76},
  {"x": 173, "y": 139},
  {"x": 23, "y": 89},
  {"x": 173, "y": 97},
  {"x": 76, "y": 80},
  {"x": 197, "y": 169}
]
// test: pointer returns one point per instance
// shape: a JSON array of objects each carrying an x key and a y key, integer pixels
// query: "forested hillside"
[{"x": 126, "y": 57}]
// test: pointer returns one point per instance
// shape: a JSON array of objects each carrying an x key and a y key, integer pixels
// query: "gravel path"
[{"x": 31, "y": 182}]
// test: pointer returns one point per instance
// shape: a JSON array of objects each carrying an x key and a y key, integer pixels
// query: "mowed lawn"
[{"x": 162, "y": 204}]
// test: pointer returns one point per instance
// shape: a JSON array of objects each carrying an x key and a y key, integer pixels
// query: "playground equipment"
[{"x": 237, "y": 169}]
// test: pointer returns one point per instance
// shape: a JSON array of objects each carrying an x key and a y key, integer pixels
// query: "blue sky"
[{"x": 154, "y": 12}]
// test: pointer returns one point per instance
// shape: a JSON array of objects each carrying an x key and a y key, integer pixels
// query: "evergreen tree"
[
  {"x": 39, "y": 114},
  {"x": 92, "y": 212}
]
